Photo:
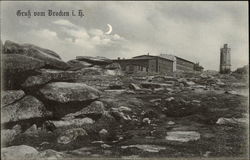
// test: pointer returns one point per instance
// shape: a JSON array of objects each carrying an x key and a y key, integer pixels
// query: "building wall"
[
  {"x": 158, "y": 64},
  {"x": 183, "y": 65},
  {"x": 170, "y": 57},
  {"x": 152, "y": 65},
  {"x": 164, "y": 66},
  {"x": 133, "y": 65},
  {"x": 146, "y": 64}
]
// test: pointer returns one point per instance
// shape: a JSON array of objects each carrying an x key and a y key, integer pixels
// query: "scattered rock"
[
  {"x": 232, "y": 92},
  {"x": 196, "y": 101},
  {"x": 231, "y": 121},
  {"x": 8, "y": 135},
  {"x": 32, "y": 130},
  {"x": 146, "y": 120},
  {"x": 118, "y": 114},
  {"x": 96, "y": 108},
  {"x": 52, "y": 154},
  {"x": 18, "y": 152},
  {"x": 105, "y": 146},
  {"x": 84, "y": 151},
  {"x": 182, "y": 136},
  {"x": 190, "y": 83},
  {"x": 103, "y": 134},
  {"x": 77, "y": 122},
  {"x": 71, "y": 135},
  {"x": 95, "y": 155},
  {"x": 131, "y": 157},
  {"x": 170, "y": 99},
  {"x": 26, "y": 108},
  {"x": 155, "y": 100},
  {"x": 145, "y": 147},
  {"x": 11, "y": 96},
  {"x": 221, "y": 84},
  {"x": 97, "y": 142},
  {"x": 171, "y": 123},
  {"x": 124, "y": 109},
  {"x": 64, "y": 92},
  {"x": 151, "y": 85},
  {"x": 134, "y": 86}
]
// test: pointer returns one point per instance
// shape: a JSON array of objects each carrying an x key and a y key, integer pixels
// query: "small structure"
[
  {"x": 146, "y": 63},
  {"x": 198, "y": 67},
  {"x": 225, "y": 60}
]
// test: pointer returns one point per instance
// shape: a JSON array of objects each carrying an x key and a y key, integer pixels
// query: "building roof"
[
  {"x": 147, "y": 57},
  {"x": 184, "y": 60},
  {"x": 150, "y": 57}
]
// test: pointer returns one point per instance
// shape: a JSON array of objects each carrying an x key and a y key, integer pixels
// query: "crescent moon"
[{"x": 110, "y": 29}]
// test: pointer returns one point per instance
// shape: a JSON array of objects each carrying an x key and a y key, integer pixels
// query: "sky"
[{"x": 192, "y": 30}]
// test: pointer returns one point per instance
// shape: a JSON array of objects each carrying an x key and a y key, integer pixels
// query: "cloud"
[
  {"x": 64, "y": 22},
  {"x": 86, "y": 38},
  {"x": 70, "y": 42},
  {"x": 96, "y": 32}
]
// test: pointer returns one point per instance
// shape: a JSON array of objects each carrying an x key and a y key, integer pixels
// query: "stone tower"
[{"x": 225, "y": 59}]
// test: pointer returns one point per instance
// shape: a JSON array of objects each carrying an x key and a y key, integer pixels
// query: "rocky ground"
[{"x": 87, "y": 107}]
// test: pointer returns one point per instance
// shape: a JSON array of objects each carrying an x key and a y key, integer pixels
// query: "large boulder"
[
  {"x": 27, "y": 108},
  {"x": 48, "y": 75},
  {"x": 95, "y": 60},
  {"x": 76, "y": 64},
  {"x": 8, "y": 135},
  {"x": 11, "y": 96},
  {"x": 96, "y": 108},
  {"x": 16, "y": 68},
  {"x": 50, "y": 58},
  {"x": 64, "y": 92},
  {"x": 16, "y": 63},
  {"x": 52, "y": 154},
  {"x": 18, "y": 152},
  {"x": 113, "y": 66}
]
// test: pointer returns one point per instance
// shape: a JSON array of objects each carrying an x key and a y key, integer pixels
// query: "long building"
[
  {"x": 146, "y": 63},
  {"x": 164, "y": 63}
]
